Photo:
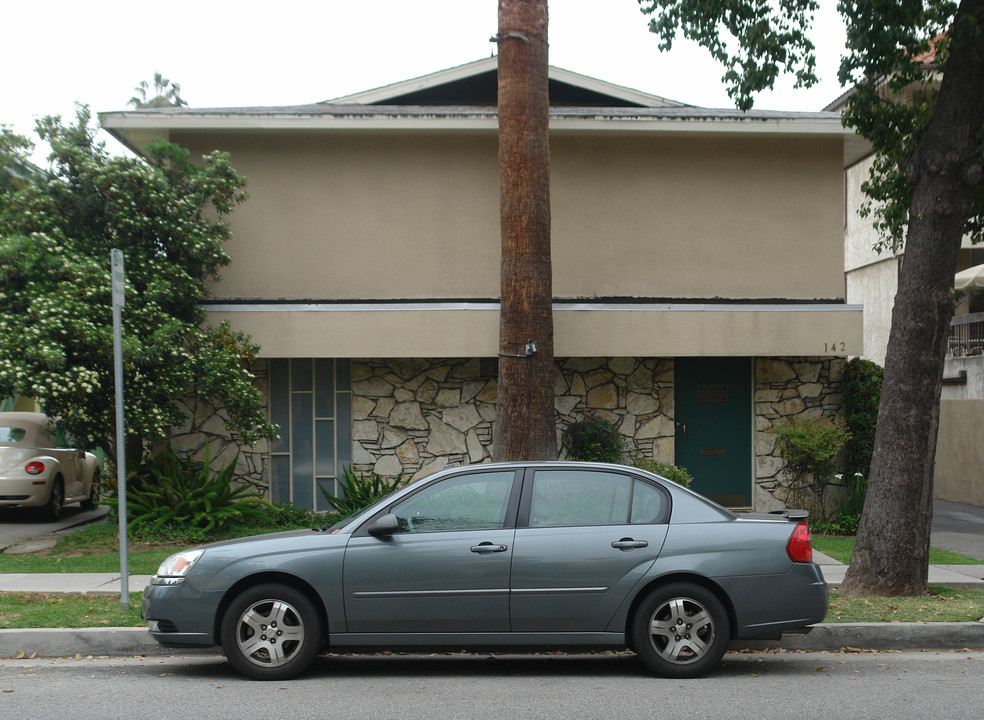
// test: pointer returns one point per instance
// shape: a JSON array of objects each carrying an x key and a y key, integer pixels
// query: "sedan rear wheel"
[
  {"x": 271, "y": 632},
  {"x": 681, "y": 630}
]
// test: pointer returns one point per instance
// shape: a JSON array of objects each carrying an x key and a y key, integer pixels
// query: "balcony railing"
[{"x": 966, "y": 335}]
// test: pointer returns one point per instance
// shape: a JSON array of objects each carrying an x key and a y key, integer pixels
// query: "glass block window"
[{"x": 311, "y": 400}]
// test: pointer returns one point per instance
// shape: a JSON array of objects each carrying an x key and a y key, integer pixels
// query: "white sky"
[{"x": 226, "y": 53}]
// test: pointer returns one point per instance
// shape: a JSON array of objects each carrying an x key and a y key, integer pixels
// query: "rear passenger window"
[{"x": 565, "y": 497}]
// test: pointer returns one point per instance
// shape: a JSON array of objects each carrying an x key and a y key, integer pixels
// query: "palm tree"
[
  {"x": 525, "y": 426},
  {"x": 166, "y": 94}
]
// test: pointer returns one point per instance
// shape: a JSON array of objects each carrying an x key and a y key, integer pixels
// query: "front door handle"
[
  {"x": 629, "y": 544},
  {"x": 486, "y": 548}
]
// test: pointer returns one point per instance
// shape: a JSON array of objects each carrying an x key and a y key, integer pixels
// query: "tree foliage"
[
  {"x": 897, "y": 55},
  {"x": 16, "y": 168},
  {"x": 166, "y": 94},
  {"x": 167, "y": 216},
  {"x": 756, "y": 41}
]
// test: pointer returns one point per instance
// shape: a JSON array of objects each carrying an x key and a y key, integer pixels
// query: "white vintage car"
[{"x": 38, "y": 471}]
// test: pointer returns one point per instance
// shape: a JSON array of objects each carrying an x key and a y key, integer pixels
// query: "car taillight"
[
  {"x": 34, "y": 468},
  {"x": 800, "y": 548}
]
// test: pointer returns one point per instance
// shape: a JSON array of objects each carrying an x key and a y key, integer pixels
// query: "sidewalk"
[{"x": 971, "y": 576}]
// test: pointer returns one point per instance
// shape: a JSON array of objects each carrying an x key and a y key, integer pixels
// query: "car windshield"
[{"x": 12, "y": 434}]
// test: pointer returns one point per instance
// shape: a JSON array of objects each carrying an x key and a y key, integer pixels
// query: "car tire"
[
  {"x": 271, "y": 632},
  {"x": 90, "y": 502},
  {"x": 681, "y": 630},
  {"x": 56, "y": 501}
]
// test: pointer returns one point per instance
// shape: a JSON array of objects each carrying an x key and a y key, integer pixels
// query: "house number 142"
[{"x": 835, "y": 347}]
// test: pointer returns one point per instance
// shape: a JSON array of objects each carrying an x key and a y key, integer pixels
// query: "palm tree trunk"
[{"x": 525, "y": 427}]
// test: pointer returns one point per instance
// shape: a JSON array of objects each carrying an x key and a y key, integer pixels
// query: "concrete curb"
[
  {"x": 829, "y": 637},
  {"x": 68, "y": 642},
  {"x": 826, "y": 637}
]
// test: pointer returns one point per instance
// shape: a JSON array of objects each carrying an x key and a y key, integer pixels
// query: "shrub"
[
  {"x": 592, "y": 439},
  {"x": 809, "y": 450},
  {"x": 679, "y": 475},
  {"x": 168, "y": 491},
  {"x": 840, "y": 524},
  {"x": 359, "y": 491},
  {"x": 862, "y": 392}
]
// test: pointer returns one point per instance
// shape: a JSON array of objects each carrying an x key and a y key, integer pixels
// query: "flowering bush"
[{"x": 167, "y": 216}]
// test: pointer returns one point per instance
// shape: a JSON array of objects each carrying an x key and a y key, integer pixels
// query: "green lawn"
[
  {"x": 942, "y": 604},
  {"x": 840, "y": 547},
  {"x": 38, "y": 610},
  {"x": 141, "y": 562}
]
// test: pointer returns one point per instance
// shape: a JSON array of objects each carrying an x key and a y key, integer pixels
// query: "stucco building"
[{"x": 698, "y": 260}]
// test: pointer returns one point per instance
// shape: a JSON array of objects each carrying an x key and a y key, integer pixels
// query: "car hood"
[{"x": 276, "y": 542}]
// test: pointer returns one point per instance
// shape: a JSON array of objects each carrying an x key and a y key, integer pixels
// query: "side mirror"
[{"x": 384, "y": 526}]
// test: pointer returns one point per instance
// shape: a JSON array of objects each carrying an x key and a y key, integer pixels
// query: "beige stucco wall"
[
  {"x": 874, "y": 287},
  {"x": 715, "y": 331},
  {"x": 960, "y": 453},
  {"x": 416, "y": 216},
  {"x": 696, "y": 217}
]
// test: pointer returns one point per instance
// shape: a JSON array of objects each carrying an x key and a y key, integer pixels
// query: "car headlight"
[{"x": 173, "y": 570}]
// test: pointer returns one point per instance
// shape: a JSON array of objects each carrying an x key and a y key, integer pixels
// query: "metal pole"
[{"x": 117, "y": 280}]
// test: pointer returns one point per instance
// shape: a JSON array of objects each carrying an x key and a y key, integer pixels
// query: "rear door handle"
[
  {"x": 629, "y": 544},
  {"x": 486, "y": 548}
]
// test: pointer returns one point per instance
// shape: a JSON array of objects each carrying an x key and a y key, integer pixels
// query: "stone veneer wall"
[
  {"x": 416, "y": 416},
  {"x": 787, "y": 388},
  {"x": 205, "y": 427}
]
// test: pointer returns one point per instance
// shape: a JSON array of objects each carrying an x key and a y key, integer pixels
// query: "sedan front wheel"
[
  {"x": 681, "y": 631},
  {"x": 271, "y": 632}
]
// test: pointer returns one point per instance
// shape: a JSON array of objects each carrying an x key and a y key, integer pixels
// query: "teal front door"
[{"x": 713, "y": 398}]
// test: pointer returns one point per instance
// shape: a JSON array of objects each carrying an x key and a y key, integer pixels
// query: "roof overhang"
[{"x": 136, "y": 128}]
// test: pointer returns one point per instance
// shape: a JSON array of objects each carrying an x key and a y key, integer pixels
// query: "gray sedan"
[{"x": 509, "y": 556}]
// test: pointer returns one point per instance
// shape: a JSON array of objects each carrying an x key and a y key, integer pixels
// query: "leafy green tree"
[
  {"x": 166, "y": 94},
  {"x": 16, "y": 169},
  {"x": 167, "y": 216},
  {"x": 917, "y": 69}
]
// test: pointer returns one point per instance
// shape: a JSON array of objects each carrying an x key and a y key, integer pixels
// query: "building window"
[{"x": 311, "y": 401}]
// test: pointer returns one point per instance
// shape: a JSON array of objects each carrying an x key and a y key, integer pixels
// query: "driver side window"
[{"x": 463, "y": 502}]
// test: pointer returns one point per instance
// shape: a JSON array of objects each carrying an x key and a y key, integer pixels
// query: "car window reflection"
[
  {"x": 469, "y": 502},
  {"x": 565, "y": 497}
]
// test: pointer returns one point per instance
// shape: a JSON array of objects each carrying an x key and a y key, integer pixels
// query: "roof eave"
[{"x": 134, "y": 129}]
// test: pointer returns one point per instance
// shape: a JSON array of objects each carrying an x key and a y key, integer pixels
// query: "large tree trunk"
[
  {"x": 891, "y": 555},
  {"x": 525, "y": 427}
]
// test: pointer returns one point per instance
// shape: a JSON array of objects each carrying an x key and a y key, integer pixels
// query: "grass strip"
[
  {"x": 47, "y": 610},
  {"x": 141, "y": 562},
  {"x": 840, "y": 547},
  {"x": 942, "y": 604}
]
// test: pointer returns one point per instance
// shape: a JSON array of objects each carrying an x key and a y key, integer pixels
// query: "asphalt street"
[{"x": 763, "y": 686}]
